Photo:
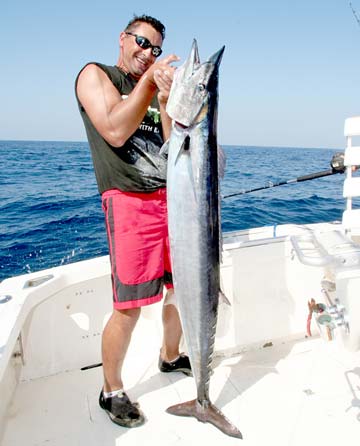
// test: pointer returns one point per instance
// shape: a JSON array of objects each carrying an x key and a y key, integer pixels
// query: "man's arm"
[
  {"x": 115, "y": 119},
  {"x": 163, "y": 80}
]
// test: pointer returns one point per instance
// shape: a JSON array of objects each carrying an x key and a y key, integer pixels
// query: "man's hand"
[
  {"x": 163, "y": 77},
  {"x": 161, "y": 74}
]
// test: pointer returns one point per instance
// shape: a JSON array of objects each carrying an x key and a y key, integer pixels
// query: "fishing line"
[
  {"x": 355, "y": 14},
  {"x": 337, "y": 166}
]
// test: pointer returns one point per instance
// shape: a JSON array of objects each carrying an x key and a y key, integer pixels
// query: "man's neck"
[{"x": 123, "y": 68}]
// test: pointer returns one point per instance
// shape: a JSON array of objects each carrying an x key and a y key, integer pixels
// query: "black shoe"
[
  {"x": 181, "y": 364},
  {"x": 121, "y": 410}
]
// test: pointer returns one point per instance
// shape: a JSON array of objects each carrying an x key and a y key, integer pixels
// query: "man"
[{"x": 123, "y": 109}]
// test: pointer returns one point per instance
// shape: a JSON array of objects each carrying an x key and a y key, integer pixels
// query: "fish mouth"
[{"x": 182, "y": 126}]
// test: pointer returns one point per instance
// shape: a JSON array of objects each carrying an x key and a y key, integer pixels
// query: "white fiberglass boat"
[{"x": 287, "y": 364}]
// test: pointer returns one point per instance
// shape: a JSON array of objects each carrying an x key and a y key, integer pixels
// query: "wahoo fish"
[{"x": 194, "y": 222}]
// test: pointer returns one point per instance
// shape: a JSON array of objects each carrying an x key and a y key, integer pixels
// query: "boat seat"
[{"x": 351, "y": 215}]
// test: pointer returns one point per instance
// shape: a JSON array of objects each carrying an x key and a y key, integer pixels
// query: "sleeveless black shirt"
[{"x": 137, "y": 166}]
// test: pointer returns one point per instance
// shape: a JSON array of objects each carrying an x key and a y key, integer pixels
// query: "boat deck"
[{"x": 294, "y": 393}]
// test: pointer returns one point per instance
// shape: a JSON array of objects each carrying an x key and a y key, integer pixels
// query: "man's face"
[{"x": 134, "y": 58}]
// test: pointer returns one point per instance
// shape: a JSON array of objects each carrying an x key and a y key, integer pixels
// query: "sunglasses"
[{"x": 144, "y": 43}]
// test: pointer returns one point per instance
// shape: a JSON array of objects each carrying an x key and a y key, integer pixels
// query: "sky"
[{"x": 289, "y": 77}]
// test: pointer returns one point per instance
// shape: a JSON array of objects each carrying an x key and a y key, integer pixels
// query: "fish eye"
[{"x": 201, "y": 87}]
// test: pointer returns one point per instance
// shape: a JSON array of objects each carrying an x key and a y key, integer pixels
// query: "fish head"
[{"x": 193, "y": 84}]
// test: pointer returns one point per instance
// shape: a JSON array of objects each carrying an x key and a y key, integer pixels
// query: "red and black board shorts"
[{"x": 137, "y": 231}]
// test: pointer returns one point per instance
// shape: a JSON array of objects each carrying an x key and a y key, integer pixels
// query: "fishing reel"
[{"x": 337, "y": 162}]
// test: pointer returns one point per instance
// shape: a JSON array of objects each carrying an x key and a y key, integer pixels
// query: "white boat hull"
[{"x": 51, "y": 325}]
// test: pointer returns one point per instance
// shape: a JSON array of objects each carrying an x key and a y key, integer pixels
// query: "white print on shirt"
[{"x": 148, "y": 128}]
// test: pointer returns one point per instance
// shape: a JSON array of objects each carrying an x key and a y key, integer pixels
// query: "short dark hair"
[{"x": 155, "y": 23}]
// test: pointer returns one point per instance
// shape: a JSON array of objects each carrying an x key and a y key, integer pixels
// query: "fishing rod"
[{"x": 337, "y": 166}]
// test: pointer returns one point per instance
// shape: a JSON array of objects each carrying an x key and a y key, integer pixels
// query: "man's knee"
[{"x": 125, "y": 315}]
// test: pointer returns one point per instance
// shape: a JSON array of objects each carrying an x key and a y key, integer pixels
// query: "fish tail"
[{"x": 205, "y": 412}]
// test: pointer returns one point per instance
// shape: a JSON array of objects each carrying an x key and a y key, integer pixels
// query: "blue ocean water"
[{"x": 50, "y": 210}]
